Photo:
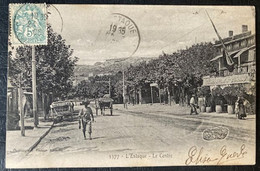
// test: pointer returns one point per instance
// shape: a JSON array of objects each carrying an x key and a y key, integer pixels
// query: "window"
[
  {"x": 236, "y": 45},
  {"x": 244, "y": 57},
  {"x": 251, "y": 55},
  {"x": 243, "y": 43},
  {"x": 229, "y": 47}
]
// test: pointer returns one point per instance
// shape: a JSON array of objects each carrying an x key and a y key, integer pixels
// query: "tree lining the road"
[
  {"x": 178, "y": 74},
  {"x": 98, "y": 86},
  {"x": 54, "y": 65},
  {"x": 54, "y": 69}
]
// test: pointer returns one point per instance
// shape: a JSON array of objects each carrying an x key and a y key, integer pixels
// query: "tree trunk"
[
  {"x": 174, "y": 96},
  {"x": 44, "y": 106},
  {"x": 169, "y": 96},
  {"x": 140, "y": 95},
  {"x": 187, "y": 99},
  {"x": 135, "y": 98},
  {"x": 182, "y": 96},
  {"x": 160, "y": 96}
]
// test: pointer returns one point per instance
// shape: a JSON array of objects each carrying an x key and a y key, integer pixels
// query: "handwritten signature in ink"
[{"x": 199, "y": 156}]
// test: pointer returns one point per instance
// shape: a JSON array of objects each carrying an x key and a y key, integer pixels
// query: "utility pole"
[
  {"x": 124, "y": 88},
  {"x": 35, "y": 115},
  {"x": 21, "y": 107}
]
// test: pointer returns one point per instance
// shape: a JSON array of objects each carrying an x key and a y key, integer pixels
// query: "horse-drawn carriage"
[
  {"x": 103, "y": 104},
  {"x": 61, "y": 110}
]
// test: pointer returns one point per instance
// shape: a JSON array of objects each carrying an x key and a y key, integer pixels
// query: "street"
[
  {"x": 178, "y": 84},
  {"x": 137, "y": 138}
]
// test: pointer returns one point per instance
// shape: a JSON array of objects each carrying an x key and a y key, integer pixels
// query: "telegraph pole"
[
  {"x": 125, "y": 106},
  {"x": 124, "y": 88},
  {"x": 35, "y": 115},
  {"x": 21, "y": 107}
]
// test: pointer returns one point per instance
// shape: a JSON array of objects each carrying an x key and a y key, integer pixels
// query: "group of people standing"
[{"x": 239, "y": 107}]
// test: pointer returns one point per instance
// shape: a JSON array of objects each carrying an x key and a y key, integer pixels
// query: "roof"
[
  {"x": 243, "y": 50},
  {"x": 236, "y": 53},
  {"x": 235, "y": 38},
  {"x": 220, "y": 56}
]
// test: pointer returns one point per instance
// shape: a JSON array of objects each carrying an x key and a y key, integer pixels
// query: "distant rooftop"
[
  {"x": 235, "y": 38},
  {"x": 232, "y": 38}
]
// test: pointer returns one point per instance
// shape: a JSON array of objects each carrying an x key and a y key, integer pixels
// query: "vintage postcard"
[{"x": 130, "y": 86}]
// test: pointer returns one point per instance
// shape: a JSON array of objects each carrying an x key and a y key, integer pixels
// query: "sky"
[{"x": 162, "y": 29}]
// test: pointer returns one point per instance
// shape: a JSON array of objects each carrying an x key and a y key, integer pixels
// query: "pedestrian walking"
[
  {"x": 86, "y": 118},
  {"x": 240, "y": 108},
  {"x": 193, "y": 105}
]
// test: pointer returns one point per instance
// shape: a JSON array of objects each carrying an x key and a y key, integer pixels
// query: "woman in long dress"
[{"x": 240, "y": 108}]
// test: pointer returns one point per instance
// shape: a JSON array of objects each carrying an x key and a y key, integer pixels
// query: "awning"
[
  {"x": 227, "y": 80},
  {"x": 220, "y": 56},
  {"x": 243, "y": 50}
]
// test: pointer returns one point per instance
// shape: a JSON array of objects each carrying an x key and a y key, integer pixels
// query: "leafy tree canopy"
[{"x": 54, "y": 65}]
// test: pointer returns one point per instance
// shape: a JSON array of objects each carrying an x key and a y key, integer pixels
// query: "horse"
[{"x": 102, "y": 104}]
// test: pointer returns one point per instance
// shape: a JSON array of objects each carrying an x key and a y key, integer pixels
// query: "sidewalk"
[
  {"x": 180, "y": 112},
  {"x": 17, "y": 143},
  {"x": 174, "y": 109}
]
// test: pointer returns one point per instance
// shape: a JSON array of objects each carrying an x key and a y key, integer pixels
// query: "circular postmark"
[
  {"x": 121, "y": 34},
  {"x": 215, "y": 133},
  {"x": 29, "y": 24}
]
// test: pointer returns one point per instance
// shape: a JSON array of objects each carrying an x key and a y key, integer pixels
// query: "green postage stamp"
[{"x": 28, "y": 24}]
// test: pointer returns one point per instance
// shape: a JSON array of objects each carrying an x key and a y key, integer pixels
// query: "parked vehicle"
[
  {"x": 104, "y": 103},
  {"x": 61, "y": 110}
]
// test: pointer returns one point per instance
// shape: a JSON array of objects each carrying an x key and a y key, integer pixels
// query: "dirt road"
[{"x": 135, "y": 138}]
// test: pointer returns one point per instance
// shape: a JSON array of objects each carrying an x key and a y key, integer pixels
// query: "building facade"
[{"x": 241, "y": 48}]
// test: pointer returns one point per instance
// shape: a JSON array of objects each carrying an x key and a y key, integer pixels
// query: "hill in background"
[{"x": 109, "y": 66}]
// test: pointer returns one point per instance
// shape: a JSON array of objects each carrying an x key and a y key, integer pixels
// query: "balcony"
[{"x": 228, "y": 80}]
